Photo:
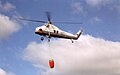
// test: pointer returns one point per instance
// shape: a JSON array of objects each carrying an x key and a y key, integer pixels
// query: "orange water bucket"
[{"x": 51, "y": 63}]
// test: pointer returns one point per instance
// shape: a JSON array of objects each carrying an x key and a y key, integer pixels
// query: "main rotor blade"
[
  {"x": 48, "y": 14},
  {"x": 68, "y": 22},
  {"x": 32, "y": 20}
]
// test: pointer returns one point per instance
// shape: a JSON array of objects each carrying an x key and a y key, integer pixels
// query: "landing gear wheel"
[
  {"x": 72, "y": 40},
  {"x": 49, "y": 40},
  {"x": 42, "y": 38}
]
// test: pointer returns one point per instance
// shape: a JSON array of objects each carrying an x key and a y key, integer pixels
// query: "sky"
[{"x": 96, "y": 52}]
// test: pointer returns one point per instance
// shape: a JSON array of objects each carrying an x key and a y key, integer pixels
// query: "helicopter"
[{"x": 50, "y": 30}]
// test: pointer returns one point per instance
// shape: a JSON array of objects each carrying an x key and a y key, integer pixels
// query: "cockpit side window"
[{"x": 40, "y": 29}]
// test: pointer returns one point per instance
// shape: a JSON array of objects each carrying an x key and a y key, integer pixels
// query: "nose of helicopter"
[{"x": 38, "y": 31}]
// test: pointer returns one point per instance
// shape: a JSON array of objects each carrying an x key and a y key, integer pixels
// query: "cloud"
[
  {"x": 6, "y": 7},
  {"x": 95, "y": 20},
  {"x": 7, "y": 26},
  {"x": 2, "y": 72},
  {"x": 97, "y": 3},
  {"x": 113, "y": 5},
  {"x": 77, "y": 8},
  {"x": 87, "y": 56},
  {"x": 116, "y": 7}
]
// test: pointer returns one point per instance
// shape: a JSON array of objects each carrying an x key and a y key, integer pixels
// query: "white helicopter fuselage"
[{"x": 51, "y": 30}]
